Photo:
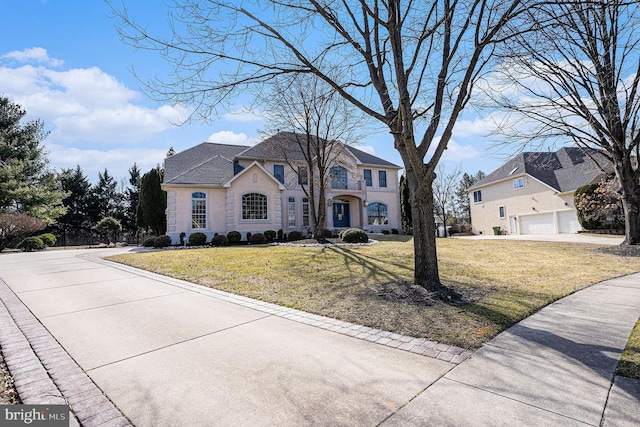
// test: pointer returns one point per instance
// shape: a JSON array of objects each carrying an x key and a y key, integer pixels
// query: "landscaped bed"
[{"x": 501, "y": 282}]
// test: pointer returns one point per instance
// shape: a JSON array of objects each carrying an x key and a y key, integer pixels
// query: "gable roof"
[
  {"x": 206, "y": 163},
  {"x": 564, "y": 170},
  {"x": 285, "y": 144}
]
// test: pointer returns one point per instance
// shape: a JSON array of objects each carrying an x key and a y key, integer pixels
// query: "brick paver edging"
[
  {"x": 448, "y": 353},
  {"x": 44, "y": 373}
]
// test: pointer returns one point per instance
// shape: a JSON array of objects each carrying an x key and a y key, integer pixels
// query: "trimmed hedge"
[
  {"x": 257, "y": 239},
  {"x": 48, "y": 239},
  {"x": 148, "y": 242},
  {"x": 31, "y": 244},
  {"x": 294, "y": 235},
  {"x": 234, "y": 237},
  {"x": 270, "y": 235},
  {"x": 354, "y": 235},
  {"x": 197, "y": 239},
  {"x": 162, "y": 242},
  {"x": 220, "y": 240}
]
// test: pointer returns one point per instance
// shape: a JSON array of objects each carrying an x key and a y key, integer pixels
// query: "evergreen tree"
[
  {"x": 405, "y": 204},
  {"x": 74, "y": 222},
  {"x": 462, "y": 195},
  {"x": 153, "y": 203},
  {"x": 26, "y": 183},
  {"x": 103, "y": 198},
  {"x": 132, "y": 198}
]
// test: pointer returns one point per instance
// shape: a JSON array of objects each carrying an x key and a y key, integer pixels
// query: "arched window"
[
  {"x": 198, "y": 210},
  {"x": 338, "y": 178},
  {"x": 254, "y": 206},
  {"x": 378, "y": 214}
]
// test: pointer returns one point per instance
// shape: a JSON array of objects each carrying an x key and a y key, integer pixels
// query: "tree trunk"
[
  {"x": 631, "y": 208},
  {"x": 424, "y": 239}
]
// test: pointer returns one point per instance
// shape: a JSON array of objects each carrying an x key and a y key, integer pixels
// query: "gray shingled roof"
[
  {"x": 564, "y": 170},
  {"x": 284, "y": 145},
  {"x": 206, "y": 163}
]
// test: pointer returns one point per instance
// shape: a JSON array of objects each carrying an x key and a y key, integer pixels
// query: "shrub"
[
  {"x": 280, "y": 234},
  {"x": 395, "y": 231},
  {"x": 248, "y": 236},
  {"x": 327, "y": 234},
  {"x": 257, "y": 239},
  {"x": 182, "y": 236},
  {"x": 148, "y": 242},
  {"x": 234, "y": 237},
  {"x": 385, "y": 231},
  {"x": 586, "y": 191},
  {"x": 13, "y": 226},
  {"x": 270, "y": 235},
  {"x": 31, "y": 244},
  {"x": 162, "y": 242},
  {"x": 295, "y": 235},
  {"x": 48, "y": 239},
  {"x": 355, "y": 235},
  {"x": 220, "y": 240},
  {"x": 197, "y": 239}
]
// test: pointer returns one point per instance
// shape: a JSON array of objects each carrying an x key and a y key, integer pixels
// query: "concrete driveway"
[
  {"x": 594, "y": 239},
  {"x": 166, "y": 353}
]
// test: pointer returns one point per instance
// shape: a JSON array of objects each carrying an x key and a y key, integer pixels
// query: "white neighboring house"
[
  {"x": 533, "y": 192},
  {"x": 217, "y": 188}
]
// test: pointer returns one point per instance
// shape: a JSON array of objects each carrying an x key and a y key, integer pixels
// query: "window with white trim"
[
  {"x": 377, "y": 214},
  {"x": 502, "y": 212},
  {"x": 305, "y": 212},
  {"x": 477, "y": 196},
  {"x": 303, "y": 175},
  {"x": 382, "y": 179},
  {"x": 518, "y": 183},
  {"x": 339, "y": 178},
  {"x": 368, "y": 179},
  {"x": 278, "y": 172},
  {"x": 254, "y": 206},
  {"x": 291, "y": 212},
  {"x": 198, "y": 210}
]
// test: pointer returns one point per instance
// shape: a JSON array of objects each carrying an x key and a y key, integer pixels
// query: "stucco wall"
[
  {"x": 534, "y": 198},
  {"x": 179, "y": 211}
]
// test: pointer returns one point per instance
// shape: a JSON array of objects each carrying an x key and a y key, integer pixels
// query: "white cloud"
[
  {"x": 367, "y": 149},
  {"x": 232, "y": 138},
  {"x": 243, "y": 114},
  {"x": 34, "y": 54},
  {"x": 85, "y": 104},
  {"x": 455, "y": 152},
  {"x": 117, "y": 161}
]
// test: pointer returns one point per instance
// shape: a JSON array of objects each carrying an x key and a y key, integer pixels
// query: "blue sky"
[{"x": 63, "y": 61}]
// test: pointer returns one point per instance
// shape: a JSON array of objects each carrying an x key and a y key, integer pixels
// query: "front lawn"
[
  {"x": 629, "y": 364},
  {"x": 501, "y": 282}
]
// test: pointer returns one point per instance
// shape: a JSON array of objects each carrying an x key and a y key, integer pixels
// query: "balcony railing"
[{"x": 347, "y": 185}]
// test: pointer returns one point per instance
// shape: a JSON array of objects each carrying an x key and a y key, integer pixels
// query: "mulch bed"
[
  {"x": 8, "y": 393},
  {"x": 621, "y": 250}
]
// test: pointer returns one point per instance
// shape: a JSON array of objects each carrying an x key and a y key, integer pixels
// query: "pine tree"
[{"x": 153, "y": 203}]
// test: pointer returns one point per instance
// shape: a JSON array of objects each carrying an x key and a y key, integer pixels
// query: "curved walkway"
[{"x": 125, "y": 346}]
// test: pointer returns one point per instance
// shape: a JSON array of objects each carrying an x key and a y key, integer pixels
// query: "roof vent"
[{"x": 514, "y": 169}]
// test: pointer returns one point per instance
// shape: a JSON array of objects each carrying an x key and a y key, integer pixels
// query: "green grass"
[
  {"x": 502, "y": 281},
  {"x": 629, "y": 364}
]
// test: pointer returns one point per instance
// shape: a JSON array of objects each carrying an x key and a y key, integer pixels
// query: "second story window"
[
  {"x": 518, "y": 183},
  {"x": 339, "y": 178},
  {"x": 477, "y": 196},
  {"x": 278, "y": 172},
  {"x": 303, "y": 175},
  {"x": 367, "y": 178},
  {"x": 382, "y": 179}
]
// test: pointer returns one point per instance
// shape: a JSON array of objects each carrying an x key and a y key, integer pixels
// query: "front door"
[{"x": 341, "y": 214}]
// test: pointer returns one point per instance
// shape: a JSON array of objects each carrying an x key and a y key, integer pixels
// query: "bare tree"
[
  {"x": 409, "y": 65},
  {"x": 320, "y": 122},
  {"x": 578, "y": 79},
  {"x": 444, "y": 193}
]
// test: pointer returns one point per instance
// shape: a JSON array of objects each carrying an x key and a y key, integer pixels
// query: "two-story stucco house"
[
  {"x": 533, "y": 192},
  {"x": 217, "y": 188}
]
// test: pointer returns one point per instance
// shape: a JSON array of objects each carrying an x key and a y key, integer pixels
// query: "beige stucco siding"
[
  {"x": 534, "y": 199},
  {"x": 179, "y": 211},
  {"x": 253, "y": 180}
]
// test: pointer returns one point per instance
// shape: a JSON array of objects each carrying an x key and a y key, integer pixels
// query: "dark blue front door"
[{"x": 341, "y": 215}]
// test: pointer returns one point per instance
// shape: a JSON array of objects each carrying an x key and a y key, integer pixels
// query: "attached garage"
[
  {"x": 537, "y": 224},
  {"x": 568, "y": 222}
]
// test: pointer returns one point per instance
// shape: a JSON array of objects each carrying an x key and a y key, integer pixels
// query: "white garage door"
[
  {"x": 537, "y": 224},
  {"x": 568, "y": 221}
]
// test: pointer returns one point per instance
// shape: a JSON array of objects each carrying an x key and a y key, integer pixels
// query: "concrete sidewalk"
[{"x": 134, "y": 346}]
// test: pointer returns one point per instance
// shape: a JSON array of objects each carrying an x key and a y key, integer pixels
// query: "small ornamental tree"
[
  {"x": 110, "y": 226},
  {"x": 13, "y": 226}
]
